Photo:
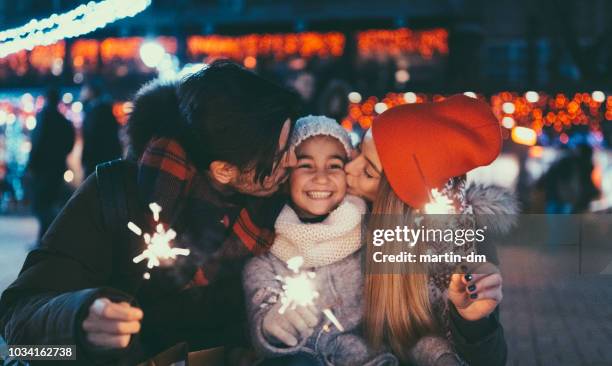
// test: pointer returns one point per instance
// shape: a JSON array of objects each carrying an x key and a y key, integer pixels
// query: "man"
[
  {"x": 209, "y": 151},
  {"x": 52, "y": 141},
  {"x": 100, "y": 129}
]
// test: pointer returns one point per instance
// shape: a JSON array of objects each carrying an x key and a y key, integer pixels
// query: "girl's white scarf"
[{"x": 320, "y": 244}]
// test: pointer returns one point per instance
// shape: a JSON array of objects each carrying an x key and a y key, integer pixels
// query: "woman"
[{"x": 411, "y": 150}]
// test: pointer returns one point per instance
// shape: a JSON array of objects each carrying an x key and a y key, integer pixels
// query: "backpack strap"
[{"x": 114, "y": 179}]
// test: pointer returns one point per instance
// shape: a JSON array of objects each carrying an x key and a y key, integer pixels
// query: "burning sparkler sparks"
[
  {"x": 439, "y": 204},
  {"x": 299, "y": 290},
  {"x": 158, "y": 243}
]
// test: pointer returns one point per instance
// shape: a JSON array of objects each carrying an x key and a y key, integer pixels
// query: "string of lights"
[
  {"x": 246, "y": 49},
  {"x": 307, "y": 44},
  {"x": 396, "y": 41},
  {"x": 81, "y": 20}
]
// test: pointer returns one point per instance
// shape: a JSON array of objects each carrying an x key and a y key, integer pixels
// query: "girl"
[{"x": 322, "y": 225}]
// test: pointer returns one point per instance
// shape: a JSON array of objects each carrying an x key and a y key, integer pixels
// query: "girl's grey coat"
[{"x": 340, "y": 287}]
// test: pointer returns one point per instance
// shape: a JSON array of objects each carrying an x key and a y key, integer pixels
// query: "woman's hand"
[
  {"x": 477, "y": 293},
  {"x": 292, "y": 325}
]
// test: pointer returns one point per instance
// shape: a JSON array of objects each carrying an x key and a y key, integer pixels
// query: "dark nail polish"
[
  {"x": 473, "y": 296},
  {"x": 471, "y": 288},
  {"x": 468, "y": 277}
]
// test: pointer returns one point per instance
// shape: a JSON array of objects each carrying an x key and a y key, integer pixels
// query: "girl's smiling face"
[
  {"x": 318, "y": 181},
  {"x": 365, "y": 170}
]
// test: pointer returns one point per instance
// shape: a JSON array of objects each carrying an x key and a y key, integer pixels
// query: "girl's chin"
[
  {"x": 323, "y": 208},
  {"x": 318, "y": 212},
  {"x": 314, "y": 208}
]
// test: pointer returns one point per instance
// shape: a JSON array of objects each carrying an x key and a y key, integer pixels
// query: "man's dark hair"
[{"x": 223, "y": 112}]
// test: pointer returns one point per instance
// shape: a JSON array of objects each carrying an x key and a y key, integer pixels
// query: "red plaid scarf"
[{"x": 167, "y": 177}]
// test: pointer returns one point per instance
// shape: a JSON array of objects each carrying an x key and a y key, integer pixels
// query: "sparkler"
[
  {"x": 158, "y": 243},
  {"x": 439, "y": 204},
  {"x": 299, "y": 290},
  {"x": 332, "y": 318}
]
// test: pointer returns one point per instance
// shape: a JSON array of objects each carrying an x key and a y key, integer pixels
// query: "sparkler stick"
[
  {"x": 158, "y": 243},
  {"x": 332, "y": 318}
]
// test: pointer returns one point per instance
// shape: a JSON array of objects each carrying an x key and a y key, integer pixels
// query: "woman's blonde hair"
[{"x": 397, "y": 305}]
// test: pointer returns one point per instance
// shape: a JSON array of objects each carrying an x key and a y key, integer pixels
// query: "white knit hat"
[{"x": 310, "y": 126}]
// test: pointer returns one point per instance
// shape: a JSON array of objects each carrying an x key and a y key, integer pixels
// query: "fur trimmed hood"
[
  {"x": 495, "y": 207},
  {"x": 155, "y": 114}
]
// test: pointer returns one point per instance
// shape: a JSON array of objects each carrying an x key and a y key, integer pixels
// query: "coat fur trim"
[{"x": 495, "y": 207}]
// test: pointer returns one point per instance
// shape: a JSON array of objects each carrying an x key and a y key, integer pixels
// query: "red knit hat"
[{"x": 422, "y": 146}]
